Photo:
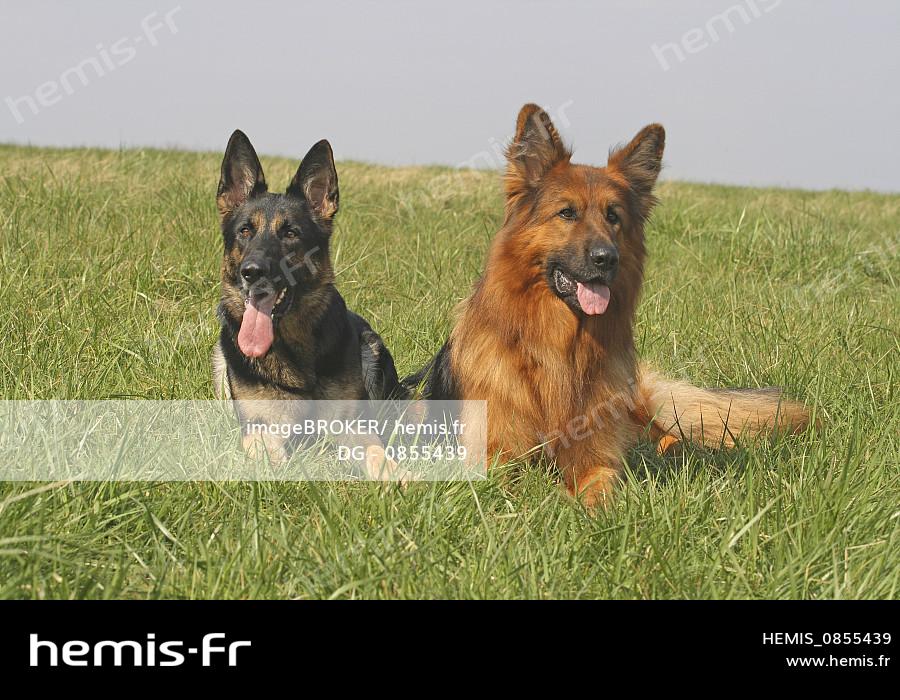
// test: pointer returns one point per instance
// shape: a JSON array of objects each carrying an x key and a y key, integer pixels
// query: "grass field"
[{"x": 110, "y": 279}]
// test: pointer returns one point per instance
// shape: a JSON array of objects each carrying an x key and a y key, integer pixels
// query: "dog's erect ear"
[
  {"x": 641, "y": 160},
  {"x": 535, "y": 149},
  {"x": 317, "y": 182},
  {"x": 242, "y": 175}
]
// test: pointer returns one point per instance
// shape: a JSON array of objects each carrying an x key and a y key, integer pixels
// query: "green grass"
[{"x": 109, "y": 285}]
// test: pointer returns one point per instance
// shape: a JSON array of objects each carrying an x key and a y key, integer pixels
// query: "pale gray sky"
[{"x": 778, "y": 92}]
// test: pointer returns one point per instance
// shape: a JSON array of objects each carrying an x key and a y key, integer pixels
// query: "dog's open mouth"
[
  {"x": 590, "y": 296},
  {"x": 257, "y": 331}
]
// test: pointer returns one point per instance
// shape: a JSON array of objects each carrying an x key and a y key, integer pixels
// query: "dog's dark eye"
[
  {"x": 245, "y": 231},
  {"x": 611, "y": 216},
  {"x": 291, "y": 233},
  {"x": 568, "y": 214}
]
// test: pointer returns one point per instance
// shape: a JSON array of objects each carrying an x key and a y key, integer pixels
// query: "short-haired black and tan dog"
[{"x": 287, "y": 337}]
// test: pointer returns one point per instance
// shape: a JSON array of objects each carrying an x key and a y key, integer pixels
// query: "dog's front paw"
[
  {"x": 259, "y": 447},
  {"x": 380, "y": 468}
]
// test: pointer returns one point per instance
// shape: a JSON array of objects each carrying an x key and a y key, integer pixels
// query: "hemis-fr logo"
[{"x": 213, "y": 650}]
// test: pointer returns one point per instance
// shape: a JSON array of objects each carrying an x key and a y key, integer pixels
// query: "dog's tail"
[{"x": 677, "y": 411}]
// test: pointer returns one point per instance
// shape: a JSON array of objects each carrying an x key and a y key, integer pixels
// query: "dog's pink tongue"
[
  {"x": 257, "y": 333},
  {"x": 593, "y": 297}
]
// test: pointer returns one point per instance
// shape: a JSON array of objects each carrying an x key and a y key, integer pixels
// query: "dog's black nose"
[
  {"x": 606, "y": 258},
  {"x": 251, "y": 271}
]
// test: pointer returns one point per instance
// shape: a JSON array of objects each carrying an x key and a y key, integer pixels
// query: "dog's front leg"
[{"x": 591, "y": 467}]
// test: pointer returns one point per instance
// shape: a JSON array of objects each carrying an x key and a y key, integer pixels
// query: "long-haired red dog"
[{"x": 547, "y": 337}]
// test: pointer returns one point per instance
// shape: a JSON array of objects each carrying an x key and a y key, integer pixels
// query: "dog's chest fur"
[{"x": 549, "y": 371}]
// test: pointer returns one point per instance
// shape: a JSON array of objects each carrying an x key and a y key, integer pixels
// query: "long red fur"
[{"x": 563, "y": 382}]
